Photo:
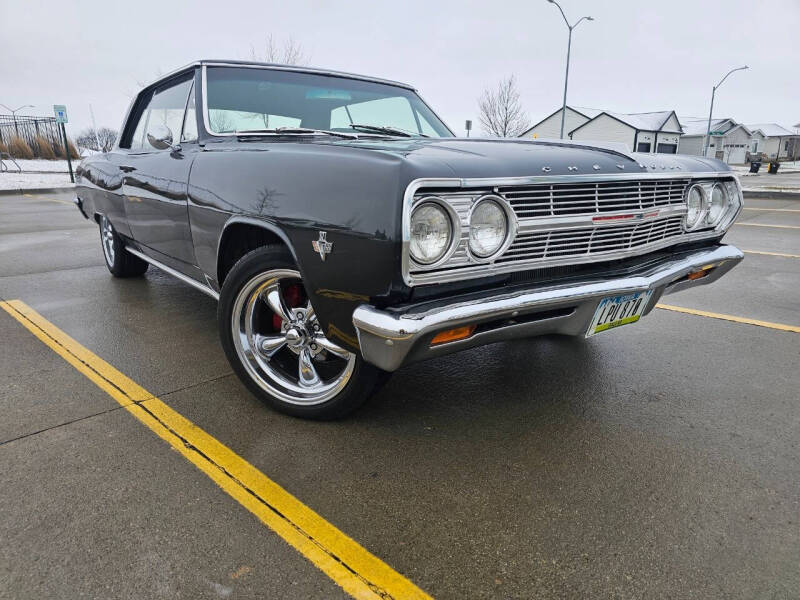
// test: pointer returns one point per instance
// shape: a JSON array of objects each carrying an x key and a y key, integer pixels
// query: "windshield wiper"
[
  {"x": 296, "y": 130},
  {"x": 387, "y": 129}
]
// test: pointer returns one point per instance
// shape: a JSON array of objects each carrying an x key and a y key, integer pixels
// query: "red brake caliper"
[{"x": 293, "y": 297}]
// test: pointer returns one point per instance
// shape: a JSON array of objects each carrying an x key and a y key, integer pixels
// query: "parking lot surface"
[{"x": 659, "y": 460}]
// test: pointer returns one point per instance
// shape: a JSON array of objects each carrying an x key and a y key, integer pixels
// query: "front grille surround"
[{"x": 564, "y": 220}]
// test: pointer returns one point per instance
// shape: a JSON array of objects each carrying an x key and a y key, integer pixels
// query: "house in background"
[
  {"x": 735, "y": 143},
  {"x": 730, "y": 141},
  {"x": 653, "y": 132},
  {"x": 550, "y": 126},
  {"x": 777, "y": 141}
]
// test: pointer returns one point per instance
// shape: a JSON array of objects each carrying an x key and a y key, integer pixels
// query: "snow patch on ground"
[
  {"x": 49, "y": 166},
  {"x": 23, "y": 181}
]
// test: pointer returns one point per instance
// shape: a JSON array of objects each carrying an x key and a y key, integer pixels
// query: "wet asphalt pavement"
[{"x": 660, "y": 460}]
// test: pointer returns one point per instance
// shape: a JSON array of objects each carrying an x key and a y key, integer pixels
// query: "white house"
[
  {"x": 777, "y": 141},
  {"x": 653, "y": 132},
  {"x": 643, "y": 132},
  {"x": 550, "y": 126}
]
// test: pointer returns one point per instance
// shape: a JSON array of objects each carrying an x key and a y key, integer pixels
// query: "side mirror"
[{"x": 160, "y": 138}]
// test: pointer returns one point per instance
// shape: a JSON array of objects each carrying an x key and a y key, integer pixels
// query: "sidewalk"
[{"x": 784, "y": 183}]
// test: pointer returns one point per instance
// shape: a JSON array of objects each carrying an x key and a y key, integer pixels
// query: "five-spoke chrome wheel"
[
  {"x": 280, "y": 342},
  {"x": 107, "y": 239}
]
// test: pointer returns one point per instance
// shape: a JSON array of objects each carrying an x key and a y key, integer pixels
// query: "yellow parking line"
[
  {"x": 764, "y": 225},
  {"x": 783, "y": 254},
  {"x": 797, "y": 210},
  {"x": 704, "y": 313},
  {"x": 358, "y": 572},
  {"x": 48, "y": 199}
]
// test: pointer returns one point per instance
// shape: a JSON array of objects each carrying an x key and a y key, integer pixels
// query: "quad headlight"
[
  {"x": 711, "y": 204},
  {"x": 718, "y": 205},
  {"x": 431, "y": 232},
  {"x": 695, "y": 205},
  {"x": 488, "y": 227}
]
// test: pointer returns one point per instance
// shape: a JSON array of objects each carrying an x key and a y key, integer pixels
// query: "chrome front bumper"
[{"x": 392, "y": 338}]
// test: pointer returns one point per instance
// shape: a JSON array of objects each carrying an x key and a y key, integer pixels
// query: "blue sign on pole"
[{"x": 61, "y": 113}]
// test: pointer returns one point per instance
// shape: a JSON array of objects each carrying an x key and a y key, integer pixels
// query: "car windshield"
[{"x": 242, "y": 99}]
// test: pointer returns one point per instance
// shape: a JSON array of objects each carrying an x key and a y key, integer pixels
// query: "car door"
[{"x": 156, "y": 172}]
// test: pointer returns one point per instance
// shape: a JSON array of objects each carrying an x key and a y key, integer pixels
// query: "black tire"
[
  {"x": 119, "y": 261},
  {"x": 243, "y": 293}
]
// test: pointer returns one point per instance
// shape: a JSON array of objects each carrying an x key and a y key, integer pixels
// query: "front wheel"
[{"x": 275, "y": 344}]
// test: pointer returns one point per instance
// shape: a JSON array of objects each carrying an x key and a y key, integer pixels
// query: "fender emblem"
[{"x": 322, "y": 246}]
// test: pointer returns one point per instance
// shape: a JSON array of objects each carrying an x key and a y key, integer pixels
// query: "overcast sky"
[{"x": 636, "y": 56}]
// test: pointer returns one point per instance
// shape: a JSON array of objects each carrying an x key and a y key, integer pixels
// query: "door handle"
[{"x": 126, "y": 168}]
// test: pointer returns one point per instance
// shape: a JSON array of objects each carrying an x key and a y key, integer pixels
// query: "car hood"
[{"x": 484, "y": 158}]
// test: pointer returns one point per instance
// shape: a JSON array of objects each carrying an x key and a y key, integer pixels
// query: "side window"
[
  {"x": 132, "y": 136},
  {"x": 138, "y": 134},
  {"x": 190, "y": 121},
  {"x": 166, "y": 109}
]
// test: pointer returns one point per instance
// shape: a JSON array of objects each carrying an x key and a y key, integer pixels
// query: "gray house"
[
  {"x": 734, "y": 142},
  {"x": 730, "y": 141}
]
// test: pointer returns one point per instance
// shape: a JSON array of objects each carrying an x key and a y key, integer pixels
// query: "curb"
[
  {"x": 771, "y": 194},
  {"x": 18, "y": 191}
]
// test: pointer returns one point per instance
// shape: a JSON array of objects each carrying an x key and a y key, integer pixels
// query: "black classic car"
[{"x": 346, "y": 232}]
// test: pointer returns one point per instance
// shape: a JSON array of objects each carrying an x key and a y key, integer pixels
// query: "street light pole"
[
  {"x": 569, "y": 48},
  {"x": 711, "y": 110},
  {"x": 13, "y": 112}
]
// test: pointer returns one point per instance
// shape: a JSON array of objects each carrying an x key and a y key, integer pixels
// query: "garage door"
[
  {"x": 667, "y": 148},
  {"x": 736, "y": 154}
]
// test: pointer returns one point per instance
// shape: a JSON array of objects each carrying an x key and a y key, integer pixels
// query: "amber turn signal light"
[
  {"x": 452, "y": 335},
  {"x": 696, "y": 275}
]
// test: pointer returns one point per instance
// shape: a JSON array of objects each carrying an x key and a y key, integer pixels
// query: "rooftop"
[{"x": 771, "y": 129}]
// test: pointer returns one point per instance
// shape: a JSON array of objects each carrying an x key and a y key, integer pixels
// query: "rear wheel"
[
  {"x": 119, "y": 261},
  {"x": 275, "y": 343}
]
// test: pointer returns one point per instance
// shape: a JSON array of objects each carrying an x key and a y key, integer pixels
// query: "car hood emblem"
[{"x": 322, "y": 246}]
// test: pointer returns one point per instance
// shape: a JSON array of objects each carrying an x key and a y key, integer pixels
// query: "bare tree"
[
  {"x": 288, "y": 53},
  {"x": 88, "y": 139},
  {"x": 501, "y": 113}
]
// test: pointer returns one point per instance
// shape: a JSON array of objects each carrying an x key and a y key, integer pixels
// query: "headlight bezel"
[
  {"x": 731, "y": 190},
  {"x": 701, "y": 215},
  {"x": 455, "y": 231},
  {"x": 510, "y": 230},
  {"x": 726, "y": 204}
]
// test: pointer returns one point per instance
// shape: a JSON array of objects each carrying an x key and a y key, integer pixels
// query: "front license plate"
[{"x": 615, "y": 311}]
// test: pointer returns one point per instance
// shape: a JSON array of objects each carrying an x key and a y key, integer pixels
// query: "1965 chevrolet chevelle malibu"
[{"x": 347, "y": 232}]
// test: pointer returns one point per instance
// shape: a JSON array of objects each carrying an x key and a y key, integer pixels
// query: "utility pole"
[
  {"x": 711, "y": 110},
  {"x": 569, "y": 47}
]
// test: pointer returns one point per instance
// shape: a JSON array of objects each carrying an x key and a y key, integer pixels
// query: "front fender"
[{"x": 296, "y": 191}]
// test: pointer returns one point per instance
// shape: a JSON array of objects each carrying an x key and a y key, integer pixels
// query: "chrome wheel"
[
  {"x": 280, "y": 342},
  {"x": 107, "y": 238}
]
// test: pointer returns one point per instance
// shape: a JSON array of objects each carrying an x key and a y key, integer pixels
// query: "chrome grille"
[
  {"x": 567, "y": 221},
  {"x": 563, "y": 199},
  {"x": 590, "y": 241}
]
